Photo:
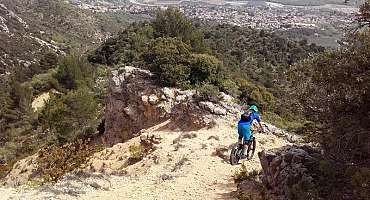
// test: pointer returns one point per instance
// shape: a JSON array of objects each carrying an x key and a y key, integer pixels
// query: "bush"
[
  {"x": 71, "y": 116},
  {"x": 284, "y": 122},
  {"x": 138, "y": 152},
  {"x": 336, "y": 95},
  {"x": 44, "y": 82},
  {"x": 360, "y": 180},
  {"x": 230, "y": 87},
  {"x": 175, "y": 75},
  {"x": 55, "y": 161},
  {"x": 208, "y": 92},
  {"x": 256, "y": 94},
  {"x": 205, "y": 68},
  {"x": 74, "y": 71},
  {"x": 170, "y": 58},
  {"x": 333, "y": 91},
  {"x": 172, "y": 23}
]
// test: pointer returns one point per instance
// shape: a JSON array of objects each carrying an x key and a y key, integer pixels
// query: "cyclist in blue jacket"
[{"x": 244, "y": 126}]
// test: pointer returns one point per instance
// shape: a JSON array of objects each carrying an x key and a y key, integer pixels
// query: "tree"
[
  {"x": 205, "y": 68},
  {"x": 170, "y": 58},
  {"x": 172, "y": 23},
  {"x": 48, "y": 61},
  {"x": 71, "y": 116},
  {"x": 74, "y": 71},
  {"x": 333, "y": 89}
]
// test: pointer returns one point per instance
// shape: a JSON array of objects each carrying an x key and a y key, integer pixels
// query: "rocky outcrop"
[
  {"x": 290, "y": 137},
  {"x": 136, "y": 102},
  {"x": 287, "y": 167},
  {"x": 22, "y": 171}
]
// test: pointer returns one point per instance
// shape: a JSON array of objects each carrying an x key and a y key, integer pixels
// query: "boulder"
[{"x": 289, "y": 165}]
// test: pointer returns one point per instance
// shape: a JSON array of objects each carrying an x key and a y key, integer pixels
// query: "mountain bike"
[{"x": 237, "y": 152}]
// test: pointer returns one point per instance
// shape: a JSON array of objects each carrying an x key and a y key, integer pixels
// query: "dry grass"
[{"x": 179, "y": 164}]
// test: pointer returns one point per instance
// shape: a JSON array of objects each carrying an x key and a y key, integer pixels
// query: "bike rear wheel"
[{"x": 235, "y": 155}]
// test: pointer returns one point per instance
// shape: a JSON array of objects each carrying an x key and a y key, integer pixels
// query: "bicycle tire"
[{"x": 234, "y": 156}]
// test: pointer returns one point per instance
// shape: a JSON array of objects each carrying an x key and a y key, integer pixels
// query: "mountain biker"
[{"x": 244, "y": 126}]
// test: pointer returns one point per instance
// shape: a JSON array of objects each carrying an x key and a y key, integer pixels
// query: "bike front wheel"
[{"x": 251, "y": 149}]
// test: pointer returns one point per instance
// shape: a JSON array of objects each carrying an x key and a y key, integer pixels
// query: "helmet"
[{"x": 253, "y": 107}]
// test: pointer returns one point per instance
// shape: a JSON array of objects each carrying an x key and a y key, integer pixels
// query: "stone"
[
  {"x": 181, "y": 98},
  {"x": 169, "y": 93},
  {"x": 219, "y": 111},
  {"x": 281, "y": 165},
  {"x": 153, "y": 99}
]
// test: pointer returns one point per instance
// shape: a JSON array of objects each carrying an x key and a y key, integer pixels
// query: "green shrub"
[
  {"x": 284, "y": 122},
  {"x": 303, "y": 191},
  {"x": 205, "y": 68},
  {"x": 208, "y": 92},
  {"x": 44, "y": 82},
  {"x": 74, "y": 71},
  {"x": 332, "y": 89},
  {"x": 137, "y": 153},
  {"x": 360, "y": 179},
  {"x": 172, "y": 23},
  {"x": 230, "y": 87},
  {"x": 256, "y": 94},
  {"x": 175, "y": 75},
  {"x": 170, "y": 58},
  {"x": 71, "y": 116}
]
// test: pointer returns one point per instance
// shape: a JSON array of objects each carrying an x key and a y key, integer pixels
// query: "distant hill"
[{"x": 30, "y": 27}]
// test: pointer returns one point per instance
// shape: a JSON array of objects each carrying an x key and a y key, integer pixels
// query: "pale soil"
[{"x": 162, "y": 175}]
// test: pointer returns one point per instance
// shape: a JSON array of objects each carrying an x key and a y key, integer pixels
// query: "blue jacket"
[
  {"x": 253, "y": 116},
  {"x": 244, "y": 126}
]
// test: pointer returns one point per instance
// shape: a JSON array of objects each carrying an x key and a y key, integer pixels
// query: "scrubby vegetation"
[
  {"x": 62, "y": 24},
  {"x": 243, "y": 174},
  {"x": 332, "y": 90},
  {"x": 72, "y": 113},
  {"x": 239, "y": 61},
  {"x": 55, "y": 160},
  {"x": 137, "y": 153}
]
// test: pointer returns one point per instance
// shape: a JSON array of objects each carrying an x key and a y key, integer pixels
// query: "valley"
[{"x": 322, "y": 23}]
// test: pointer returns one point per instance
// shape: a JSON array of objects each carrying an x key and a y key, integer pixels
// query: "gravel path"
[{"x": 184, "y": 166}]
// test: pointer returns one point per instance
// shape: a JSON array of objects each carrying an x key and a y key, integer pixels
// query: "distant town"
[{"x": 262, "y": 15}]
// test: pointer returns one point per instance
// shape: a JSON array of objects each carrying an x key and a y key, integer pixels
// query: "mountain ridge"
[{"x": 31, "y": 28}]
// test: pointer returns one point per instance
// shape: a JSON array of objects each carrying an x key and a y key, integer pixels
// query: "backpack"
[{"x": 246, "y": 116}]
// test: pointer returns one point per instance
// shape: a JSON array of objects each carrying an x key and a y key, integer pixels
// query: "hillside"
[
  {"x": 186, "y": 165},
  {"x": 178, "y": 148},
  {"x": 152, "y": 113},
  {"x": 28, "y": 29}
]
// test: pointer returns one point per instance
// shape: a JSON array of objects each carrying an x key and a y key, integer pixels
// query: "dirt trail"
[{"x": 183, "y": 167}]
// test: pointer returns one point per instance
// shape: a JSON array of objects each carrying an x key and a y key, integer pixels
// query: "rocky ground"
[
  {"x": 185, "y": 165},
  {"x": 190, "y": 142}
]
